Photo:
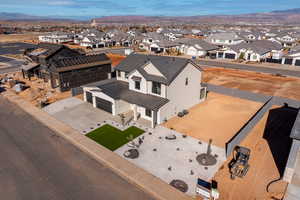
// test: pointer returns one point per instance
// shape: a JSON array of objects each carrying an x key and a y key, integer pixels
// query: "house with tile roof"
[{"x": 150, "y": 87}]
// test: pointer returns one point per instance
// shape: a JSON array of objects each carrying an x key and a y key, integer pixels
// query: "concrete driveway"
[{"x": 78, "y": 114}]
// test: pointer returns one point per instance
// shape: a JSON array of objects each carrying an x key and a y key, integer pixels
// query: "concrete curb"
[{"x": 133, "y": 174}]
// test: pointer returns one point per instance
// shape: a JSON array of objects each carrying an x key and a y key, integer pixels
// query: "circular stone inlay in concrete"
[
  {"x": 179, "y": 185},
  {"x": 131, "y": 153},
  {"x": 206, "y": 159}
]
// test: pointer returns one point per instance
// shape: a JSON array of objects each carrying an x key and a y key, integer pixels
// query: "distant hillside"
[
  {"x": 25, "y": 17},
  {"x": 290, "y": 11},
  {"x": 291, "y": 16},
  {"x": 17, "y": 16}
]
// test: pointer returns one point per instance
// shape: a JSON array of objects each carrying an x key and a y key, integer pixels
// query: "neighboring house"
[
  {"x": 287, "y": 40},
  {"x": 57, "y": 38},
  {"x": 153, "y": 37},
  {"x": 195, "y": 47},
  {"x": 163, "y": 46},
  {"x": 91, "y": 38},
  {"x": 92, "y": 42},
  {"x": 250, "y": 36},
  {"x": 224, "y": 39},
  {"x": 259, "y": 50},
  {"x": 256, "y": 51},
  {"x": 64, "y": 68},
  {"x": 293, "y": 57},
  {"x": 150, "y": 87}
]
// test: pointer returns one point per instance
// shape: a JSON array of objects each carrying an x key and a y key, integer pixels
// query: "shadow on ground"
[
  {"x": 277, "y": 133},
  {"x": 2, "y": 89}
]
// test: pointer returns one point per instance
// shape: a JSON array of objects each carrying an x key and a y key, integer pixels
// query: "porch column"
[
  {"x": 283, "y": 61},
  {"x": 84, "y": 95},
  {"x": 94, "y": 101},
  {"x": 154, "y": 119},
  {"x": 135, "y": 114},
  {"x": 294, "y": 62}
]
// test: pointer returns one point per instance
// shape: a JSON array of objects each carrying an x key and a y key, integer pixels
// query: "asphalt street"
[{"x": 37, "y": 164}]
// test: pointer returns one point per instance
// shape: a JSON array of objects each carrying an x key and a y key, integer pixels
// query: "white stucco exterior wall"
[{"x": 182, "y": 96}]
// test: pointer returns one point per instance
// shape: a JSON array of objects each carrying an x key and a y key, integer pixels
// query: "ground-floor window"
[
  {"x": 202, "y": 93},
  {"x": 148, "y": 113}
]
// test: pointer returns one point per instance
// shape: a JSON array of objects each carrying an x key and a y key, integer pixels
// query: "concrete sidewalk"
[{"x": 149, "y": 183}]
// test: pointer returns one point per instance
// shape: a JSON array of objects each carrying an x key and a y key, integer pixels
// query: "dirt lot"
[
  {"x": 269, "y": 143},
  {"x": 218, "y": 118},
  {"x": 115, "y": 59},
  {"x": 288, "y": 87},
  {"x": 28, "y": 37},
  {"x": 39, "y": 91}
]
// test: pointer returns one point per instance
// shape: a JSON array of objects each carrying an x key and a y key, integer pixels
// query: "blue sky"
[{"x": 142, "y": 7}]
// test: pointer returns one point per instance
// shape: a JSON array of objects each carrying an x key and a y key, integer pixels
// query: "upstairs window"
[
  {"x": 186, "y": 81},
  {"x": 137, "y": 85},
  {"x": 156, "y": 88}
]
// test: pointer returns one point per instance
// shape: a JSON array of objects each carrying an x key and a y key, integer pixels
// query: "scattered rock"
[
  {"x": 131, "y": 153},
  {"x": 171, "y": 137},
  {"x": 154, "y": 149},
  {"x": 192, "y": 172},
  {"x": 179, "y": 185},
  {"x": 170, "y": 168}
]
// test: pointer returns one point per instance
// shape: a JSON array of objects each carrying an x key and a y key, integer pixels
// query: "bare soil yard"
[
  {"x": 270, "y": 144},
  {"x": 218, "y": 118},
  {"x": 288, "y": 87},
  {"x": 39, "y": 91},
  {"x": 28, "y": 37}
]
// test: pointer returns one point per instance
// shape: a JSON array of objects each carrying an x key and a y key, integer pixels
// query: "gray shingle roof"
[
  {"x": 192, "y": 42},
  {"x": 259, "y": 46},
  {"x": 84, "y": 59},
  {"x": 169, "y": 67},
  {"x": 120, "y": 90}
]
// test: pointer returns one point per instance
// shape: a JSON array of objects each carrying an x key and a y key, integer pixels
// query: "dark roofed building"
[{"x": 65, "y": 68}]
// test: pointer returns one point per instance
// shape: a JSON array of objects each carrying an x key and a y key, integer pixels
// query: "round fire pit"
[
  {"x": 131, "y": 153},
  {"x": 179, "y": 185},
  {"x": 206, "y": 159}
]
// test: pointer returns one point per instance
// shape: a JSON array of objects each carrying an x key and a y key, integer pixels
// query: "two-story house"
[{"x": 154, "y": 88}]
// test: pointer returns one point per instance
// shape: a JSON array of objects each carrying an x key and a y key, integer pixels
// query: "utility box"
[{"x": 206, "y": 190}]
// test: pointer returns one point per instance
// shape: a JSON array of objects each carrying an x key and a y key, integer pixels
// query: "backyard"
[{"x": 113, "y": 138}]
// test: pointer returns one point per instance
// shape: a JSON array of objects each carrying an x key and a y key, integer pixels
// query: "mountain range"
[{"x": 291, "y": 16}]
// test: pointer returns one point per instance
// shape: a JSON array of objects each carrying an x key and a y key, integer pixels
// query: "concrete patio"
[{"x": 174, "y": 159}]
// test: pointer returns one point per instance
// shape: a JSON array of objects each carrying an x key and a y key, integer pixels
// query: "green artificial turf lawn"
[{"x": 113, "y": 138}]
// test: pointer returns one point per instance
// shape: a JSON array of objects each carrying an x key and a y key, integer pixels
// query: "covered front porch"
[{"x": 115, "y": 97}]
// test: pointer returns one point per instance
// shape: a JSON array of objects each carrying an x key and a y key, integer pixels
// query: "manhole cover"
[{"x": 179, "y": 185}]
